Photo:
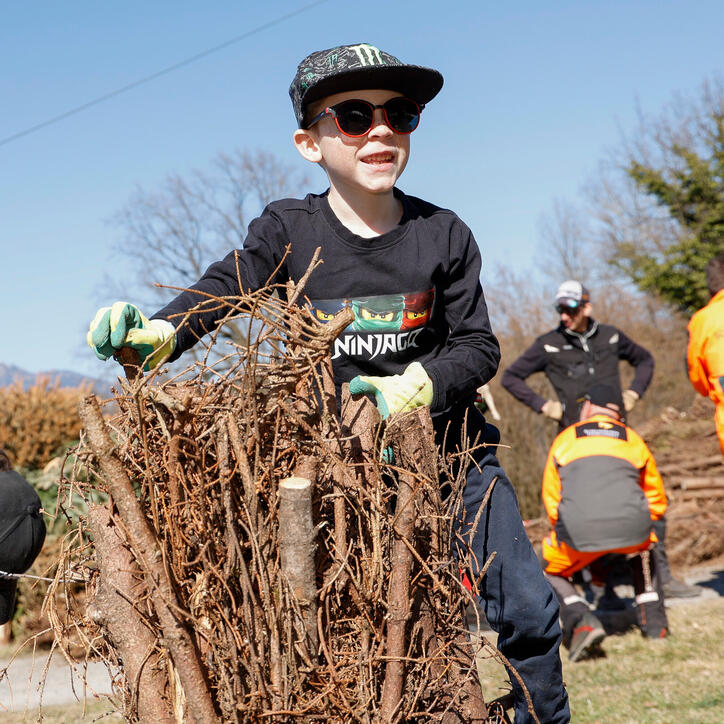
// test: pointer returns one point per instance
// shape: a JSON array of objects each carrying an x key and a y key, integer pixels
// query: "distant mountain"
[{"x": 9, "y": 375}]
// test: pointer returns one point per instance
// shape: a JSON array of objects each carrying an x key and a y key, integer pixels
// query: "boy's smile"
[{"x": 379, "y": 159}]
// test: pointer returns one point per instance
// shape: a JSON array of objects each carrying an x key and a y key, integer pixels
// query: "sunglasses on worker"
[
  {"x": 356, "y": 117},
  {"x": 568, "y": 309}
]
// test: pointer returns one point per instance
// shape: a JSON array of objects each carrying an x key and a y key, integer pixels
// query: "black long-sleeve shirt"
[
  {"x": 573, "y": 362},
  {"x": 415, "y": 291}
]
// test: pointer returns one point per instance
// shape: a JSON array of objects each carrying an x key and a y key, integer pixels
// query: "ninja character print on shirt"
[{"x": 383, "y": 325}]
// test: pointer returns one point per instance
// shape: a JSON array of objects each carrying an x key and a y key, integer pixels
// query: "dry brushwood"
[{"x": 258, "y": 559}]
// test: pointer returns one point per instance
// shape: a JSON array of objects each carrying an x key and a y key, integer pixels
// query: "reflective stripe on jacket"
[{"x": 601, "y": 488}]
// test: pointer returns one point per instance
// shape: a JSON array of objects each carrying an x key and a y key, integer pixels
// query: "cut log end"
[{"x": 295, "y": 483}]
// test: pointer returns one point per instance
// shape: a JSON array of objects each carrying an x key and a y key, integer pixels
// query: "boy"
[{"x": 421, "y": 334}]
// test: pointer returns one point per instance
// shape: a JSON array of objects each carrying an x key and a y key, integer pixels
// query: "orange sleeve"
[
  {"x": 653, "y": 486},
  {"x": 694, "y": 363},
  {"x": 551, "y": 490}
]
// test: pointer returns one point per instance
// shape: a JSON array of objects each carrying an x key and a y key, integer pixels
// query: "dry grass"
[
  {"x": 93, "y": 711},
  {"x": 673, "y": 681}
]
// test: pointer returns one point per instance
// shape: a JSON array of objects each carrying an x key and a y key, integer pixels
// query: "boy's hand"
[
  {"x": 396, "y": 393},
  {"x": 123, "y": 325}
]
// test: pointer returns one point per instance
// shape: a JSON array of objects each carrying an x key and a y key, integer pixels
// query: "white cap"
[{"x": 573, "y": 293}]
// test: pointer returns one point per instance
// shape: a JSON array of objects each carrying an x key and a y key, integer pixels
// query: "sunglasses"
[
  {"x": 567, "y": 309},
  {"x": 356, "y": 118}
]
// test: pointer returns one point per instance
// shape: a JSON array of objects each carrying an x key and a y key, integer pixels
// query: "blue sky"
[{"x": 534, "y": 94}]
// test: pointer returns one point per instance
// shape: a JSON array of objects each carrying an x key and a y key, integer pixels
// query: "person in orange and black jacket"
[
  {"x": 577, "y": 354},
  {"x": 705, "y": 352},
  {"x": 602, "y": 492}
]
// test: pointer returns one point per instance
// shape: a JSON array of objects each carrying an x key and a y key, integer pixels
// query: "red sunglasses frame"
[{"x": 331, "y": 111}]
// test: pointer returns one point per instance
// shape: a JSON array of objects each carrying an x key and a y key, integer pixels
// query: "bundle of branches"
[{"x": 258, "y": 559}]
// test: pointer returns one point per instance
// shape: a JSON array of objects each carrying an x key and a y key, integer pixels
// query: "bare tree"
[
  {"x": 565, "y": 251},
  {"x": 627, "y": 222},
  {"x": 658, "y": 200},
  {"x": 170, "y": 236}
]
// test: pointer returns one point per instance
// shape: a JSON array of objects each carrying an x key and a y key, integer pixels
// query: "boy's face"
[{"x": 369, "y": 164}]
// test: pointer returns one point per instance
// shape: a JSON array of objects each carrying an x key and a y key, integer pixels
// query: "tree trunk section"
[
  {"x": 121, "y": 582},
  {"x": 146, "y": 549},
  {"x": 398, "y": 599},
  {"x": 297, "y": 548}
]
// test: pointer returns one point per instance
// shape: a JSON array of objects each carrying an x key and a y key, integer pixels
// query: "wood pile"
[
  {"x": 687, "y": 453},
  {"x": 251, "y": 554}
]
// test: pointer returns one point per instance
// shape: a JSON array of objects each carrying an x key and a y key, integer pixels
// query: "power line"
[{"x": 158, "y": 74}]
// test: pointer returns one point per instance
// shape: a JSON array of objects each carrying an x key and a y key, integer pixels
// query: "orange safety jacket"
[
  {"x": 705, "y": 353},
  {"x": 601, "y": 488}
]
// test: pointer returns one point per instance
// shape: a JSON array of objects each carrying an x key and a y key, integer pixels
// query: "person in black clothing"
[
  {"x": 421, "y": 334},
  {"x": 22, "y": 532},
  {"x": 578, "y": 353}
]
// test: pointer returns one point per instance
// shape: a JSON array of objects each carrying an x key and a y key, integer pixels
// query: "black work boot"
[
  {"x": 587, "y": 636},
  {"x": 572, "y": 605},
  {"x": 650, "y": 611}
]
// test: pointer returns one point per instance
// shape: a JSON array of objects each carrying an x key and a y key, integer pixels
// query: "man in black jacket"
[{"x": 577, "y": 354}]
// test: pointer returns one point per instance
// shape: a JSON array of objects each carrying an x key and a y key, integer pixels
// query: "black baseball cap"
[
  {"x": 22, "y": 534},
  {"x": 358, "y": 67},
  {"x": 605, "y": 395}
]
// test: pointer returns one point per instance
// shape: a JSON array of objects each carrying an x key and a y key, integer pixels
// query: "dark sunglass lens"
[
  {"x": 354, "y": 117},
  {"x": 402, "y": 114}
]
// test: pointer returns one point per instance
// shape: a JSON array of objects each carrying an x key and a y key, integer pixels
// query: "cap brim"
[
  {"x": 414, "y": 81},
  {"x": 568, "y": 301}
]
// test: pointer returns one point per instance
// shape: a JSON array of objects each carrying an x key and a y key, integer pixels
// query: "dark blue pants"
[{"x": 518, "y": 602}]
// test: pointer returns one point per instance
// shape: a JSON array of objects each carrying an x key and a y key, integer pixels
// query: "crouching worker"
[{"x": 602, "y": 492}]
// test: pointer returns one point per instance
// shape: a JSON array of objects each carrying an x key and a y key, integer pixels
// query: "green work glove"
[
  {"x": 123, "y": 325},
  {"x": 396, "y": 393}
]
